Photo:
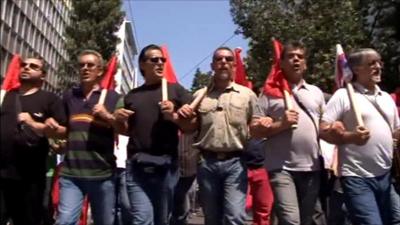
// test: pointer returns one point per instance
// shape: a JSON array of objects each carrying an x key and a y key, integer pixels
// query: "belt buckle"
[{"x": 221, "y": 155}]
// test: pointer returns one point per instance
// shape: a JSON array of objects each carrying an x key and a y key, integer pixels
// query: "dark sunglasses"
[
  {"x": 31, "y": 66},
  {"x": 227, "y": 58},
  {"x": 157, "y": 59},
  {"x": 88, "y": 65}
]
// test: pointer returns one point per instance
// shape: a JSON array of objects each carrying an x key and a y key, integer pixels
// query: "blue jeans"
[
  {"x": 368, "y": 199},
  {"x": 101, "y": 195},
  {"x": 122, "y": 215},
  {"x": 295, "y": 195},
  {"x": 150, "y": 191},
  {"x": 223, "y": 188}
]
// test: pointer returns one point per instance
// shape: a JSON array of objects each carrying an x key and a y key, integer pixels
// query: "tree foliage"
[
  {"x": 93, "y": 26},
  {"x": 319, "y": 24},
  {"x": 200, "y": 80}
]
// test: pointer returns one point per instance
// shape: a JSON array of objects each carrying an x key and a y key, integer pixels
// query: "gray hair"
[
  {"x": 95, "y": 53},
  {"x": 356, "y": 58}
]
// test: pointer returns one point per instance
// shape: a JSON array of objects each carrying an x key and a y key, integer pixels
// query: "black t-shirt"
[
  {"x": 254, "y": 155},
  {"x": 18, "y": 161},
  {"x": 148, "y": 130}
]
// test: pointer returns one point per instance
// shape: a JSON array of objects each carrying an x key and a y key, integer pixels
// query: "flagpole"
[
  {"x": 164, "y": 89},
  {"x": 354, "y": 105},
  {"x": 102, "y": 97},
  {"x": 288, "y": 104}
]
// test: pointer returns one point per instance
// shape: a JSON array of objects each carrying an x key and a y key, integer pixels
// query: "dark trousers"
[
  {"x": 23, "y": 201},
  {"x": 181, "y": 207}
]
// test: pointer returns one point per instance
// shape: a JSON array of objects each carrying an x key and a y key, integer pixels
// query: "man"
[
  {"x": 152, "y": 126},
  {"x": 292, "y": 154},
  {"x": 23, "y": 158},
  {"x": 224, "y": 115},
  {"x": 89, "y": 164},
  {"x": 365, "y": 152}
]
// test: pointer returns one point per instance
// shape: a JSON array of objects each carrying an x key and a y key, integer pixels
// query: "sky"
[{"x": 191, "y": 29}]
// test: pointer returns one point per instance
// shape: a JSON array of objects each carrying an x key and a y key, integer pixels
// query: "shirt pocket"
[{"x": 238, "y": 110}]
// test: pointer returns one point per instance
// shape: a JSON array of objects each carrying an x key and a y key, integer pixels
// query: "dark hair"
[
  {"x": 142, "y": 55},
  {"x": 41, "y": 59},
  {"x": 222, "y": 48},
  {"x": 293, "y": 44}
]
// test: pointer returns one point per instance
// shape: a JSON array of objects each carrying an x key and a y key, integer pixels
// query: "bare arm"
[
  {"x": 336, "y": 133},
  {"x": 263, "y": 127}
]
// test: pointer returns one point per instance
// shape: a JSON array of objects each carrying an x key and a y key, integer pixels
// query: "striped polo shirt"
[{"x": 90, "y": 139}]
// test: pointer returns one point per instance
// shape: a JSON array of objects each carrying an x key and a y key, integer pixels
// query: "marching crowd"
[{"x": 249, "y": 151}]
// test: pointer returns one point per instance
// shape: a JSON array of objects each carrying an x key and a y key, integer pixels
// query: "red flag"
[
  {"x": 108, "y": 81},
  {"x": 169, "y": 72},
  {"x": 11, "y": 79},
  {"x": 276, "y": 82},
  {"x": 241, "y": 76}
]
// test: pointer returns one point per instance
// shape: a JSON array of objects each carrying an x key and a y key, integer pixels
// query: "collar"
[
  {"x": 360, "y": 88},
  {"x": 302, "y": 85},
  {"x": 231, "y": 87},
  {"x": 79, "y": 89}
]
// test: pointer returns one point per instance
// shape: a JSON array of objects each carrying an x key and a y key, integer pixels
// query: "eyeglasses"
[
  {"x": 157, "y": 59},
  {"x": 33, "y": 66},
  {"x": 227, "y": 58},
  {"x": 88, "y": 65}
]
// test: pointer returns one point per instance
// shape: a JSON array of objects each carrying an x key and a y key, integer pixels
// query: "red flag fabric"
[
  {"x": 343, "y": 72},
  {"x": 108, "y": 81},
  {"x": 169, "y": 72},
  {"x": 241, "y": 76},
  {"x": 276, "y": 82},
  {"x": 11, "y": 78}
]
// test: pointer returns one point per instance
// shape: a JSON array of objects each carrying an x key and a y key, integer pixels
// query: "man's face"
[
  {"x": 153, "y": 65},
  {"x": 223, "y": 65},
  {"x": 89, "y": 68},
  {"x": 31, "y": 70},
  {"x": 370, "y": 70},
  {"x": 293, "y": 64}
]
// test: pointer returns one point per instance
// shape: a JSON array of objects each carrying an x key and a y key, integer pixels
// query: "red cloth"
[
  {"x": 396, "y": 98},
  {"x": 259, "y": 196},
  {"x": 169, "y": 72},
  {"x": 276, "y": 82},
  {"x": 11, "y": 78},
  {"x": 240, "y": 75},
  {"x": 108, "y": 81}
]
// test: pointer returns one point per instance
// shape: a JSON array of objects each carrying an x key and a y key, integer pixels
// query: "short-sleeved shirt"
[
  {"x": 90, "y": 146},
  {"x": 294, "y": 149},
  {"x": 148, "y": 131},
  {"x": 19, "y": 161},
  {"x": 224, "y": 118},
  {"x": 375, "y": 157}
]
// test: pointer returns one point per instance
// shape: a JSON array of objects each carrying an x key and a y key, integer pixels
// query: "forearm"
[
  {"x": 187, "y": 125},
  {"x": 59, "y": 133}
]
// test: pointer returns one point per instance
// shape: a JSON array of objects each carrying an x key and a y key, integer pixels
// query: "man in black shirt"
[
  {"x": 152, "y": 126},
  {"x": 22, "y": 162}
]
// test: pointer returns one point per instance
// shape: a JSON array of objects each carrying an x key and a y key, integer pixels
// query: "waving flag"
[
  {"x": 276, "y": 82},
  {"x": 343, "y": 72},
  {"x": 108, "y": 81},
  {"x": 11, "y": 78},
  {"x": 169, "y": 72},
  {"x": 241, "y": 76}
]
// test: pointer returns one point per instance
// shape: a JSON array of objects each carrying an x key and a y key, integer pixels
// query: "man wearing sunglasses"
[
  {"x": 224, "y": 115},
  {"x": 89, "y": 163},
  {"x": 24, "y": 145},
  {"x": 152, "y": 126}
]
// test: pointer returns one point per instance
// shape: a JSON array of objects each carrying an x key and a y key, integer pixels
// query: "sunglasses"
[
  {"x": 87, "y": 65},
  {"x": 33, "y": 66},
  {"x": 157, "y": 59},
  {"x": 227, "y": 58}
]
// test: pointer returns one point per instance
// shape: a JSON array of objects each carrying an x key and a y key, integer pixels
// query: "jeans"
[
  {"x": 295, "y": 195},
  {"x": 223, "y": 188},
  {"x": 260, "y": 196},
  {"x": 395, "y": 206},
  {"x": 150, "y": 191},
  {"x": 101, "y": 195},
  {"x": 181, "y": 208},
  {"x": 122, "y": 214},
  {"x": 368, "y": 199}
]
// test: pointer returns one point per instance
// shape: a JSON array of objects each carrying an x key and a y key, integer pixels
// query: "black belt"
[{"x": 221, "y": 155}]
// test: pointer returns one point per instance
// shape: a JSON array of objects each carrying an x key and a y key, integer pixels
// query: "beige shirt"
[{"x": 224, "y": 119}]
